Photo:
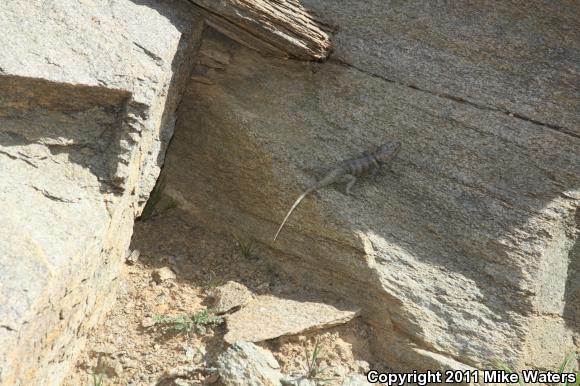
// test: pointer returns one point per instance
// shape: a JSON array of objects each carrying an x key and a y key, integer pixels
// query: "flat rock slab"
[
  {"x": 230, "y": 296},
  {"x": 268, "y": 317}
]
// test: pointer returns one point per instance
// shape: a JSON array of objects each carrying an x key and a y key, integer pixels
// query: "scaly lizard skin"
[{"x": 349, "y": 170}]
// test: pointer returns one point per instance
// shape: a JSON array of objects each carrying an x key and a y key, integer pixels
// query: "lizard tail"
[{"x": 292, "y": 210}]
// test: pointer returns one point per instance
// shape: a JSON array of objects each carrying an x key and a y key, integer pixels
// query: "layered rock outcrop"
[
  {"x": 465, "y": 250},
  {"x": 87, "y": 96}
]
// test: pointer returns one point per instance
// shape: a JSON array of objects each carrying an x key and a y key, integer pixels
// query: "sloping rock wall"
[
  {"x": 87, "y": 96},
  {"x": 466, "y": 249},
  {"x": 463, "y": 251}
]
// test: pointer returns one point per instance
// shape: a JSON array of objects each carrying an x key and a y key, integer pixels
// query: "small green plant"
[
  {"x": 567, "y": 366},
  {"x": 196, "y": 323},
  {"x": 501, "y": 365},
  {"x": 214, "y": 281},
  {"x": 247, "y": 247},
  {"x": 152, "y": 206},
  {"x": 313, "y": 369},
  {"x": 98, "y": 380}
]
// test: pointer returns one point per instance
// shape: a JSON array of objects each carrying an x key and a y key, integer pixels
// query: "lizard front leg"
[{"x": 351, "y": 181}]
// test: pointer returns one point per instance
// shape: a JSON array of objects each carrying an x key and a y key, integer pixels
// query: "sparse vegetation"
[
  {"x": 247, "y": 247},
  {"x": 98, "y": 380},
  {"x": 313, "y": 369},
  {"x": 569, "y": 365},
  {"x": 202, "y": 258},
  {"x": 196, "y": 323},
  {"x": 214, "y": 281},
  {"x": 501, "y": 365}
]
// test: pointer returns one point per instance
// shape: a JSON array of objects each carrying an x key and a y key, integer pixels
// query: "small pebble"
[
  {"x": 147, "y": 322},
  {"x": 162, "y": 274},
  {"x": 133, "y": 257}
]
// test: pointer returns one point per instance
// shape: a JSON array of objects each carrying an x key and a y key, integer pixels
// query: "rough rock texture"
[
  {"x": 162, "y": 274},
  {"x": 245, "y": 364},
  {"x": 467, "y": 249},
  {"x": 230, "y": 296},
  {"x": 268, "y": 317},
  {"x": 464, "y": 251},
  {"x": 87, "y": 96},
  {"x": 517, "y": 57},
  {"x": 300, "y": 381},
  {"x": 355, "y": 380},
  {"x": 281, "y": 28}
]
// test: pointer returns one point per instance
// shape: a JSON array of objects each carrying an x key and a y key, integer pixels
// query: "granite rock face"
[
  {"x": 465, "y": 248},
  {"x": 87, "y": 96}
]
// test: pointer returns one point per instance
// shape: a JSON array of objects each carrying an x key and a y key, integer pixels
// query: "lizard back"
[{"x": 348, "y": 168}]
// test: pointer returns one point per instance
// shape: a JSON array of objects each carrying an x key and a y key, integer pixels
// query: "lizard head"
[{"x": 388, "y": 151}]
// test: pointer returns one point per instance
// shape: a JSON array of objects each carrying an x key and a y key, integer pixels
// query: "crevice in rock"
[
  {"x": 147, "y": 52},
  {"x": 50, "y": 196},
  {"x": 559, "y": 129},
  {"x": 12, "y": 156}
]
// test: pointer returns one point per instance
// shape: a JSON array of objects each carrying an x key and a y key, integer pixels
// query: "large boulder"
[
  {"x": 465, "y": 249},
  {"x": 87, "y": 95}
]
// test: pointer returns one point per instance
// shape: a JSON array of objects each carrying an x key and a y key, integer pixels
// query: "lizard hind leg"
[{"x": 350, "y": 183}]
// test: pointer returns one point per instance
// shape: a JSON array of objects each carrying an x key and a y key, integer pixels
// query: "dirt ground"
[{"x": 129, "y": 349}]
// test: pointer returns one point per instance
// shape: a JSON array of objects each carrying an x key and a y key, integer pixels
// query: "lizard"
[{"x": 349, "y": 169}]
